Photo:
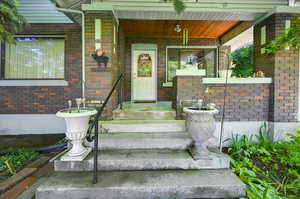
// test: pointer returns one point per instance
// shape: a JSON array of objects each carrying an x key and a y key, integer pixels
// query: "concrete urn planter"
[
  {"x": 77, "y": 124},
  {"x": 200, "y": 124}
]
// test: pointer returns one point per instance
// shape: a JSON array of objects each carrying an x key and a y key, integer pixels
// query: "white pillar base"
[{"x": 67, "y": 157}]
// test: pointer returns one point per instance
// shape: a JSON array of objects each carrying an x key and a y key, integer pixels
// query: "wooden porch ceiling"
[{"x": 165, "y": 28}]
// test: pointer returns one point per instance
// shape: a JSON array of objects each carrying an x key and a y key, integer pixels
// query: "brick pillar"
[
  {"x": 223, "y": 57},
  {"x": 282, "y": 66},
  {"x": 99, "y": 80}
]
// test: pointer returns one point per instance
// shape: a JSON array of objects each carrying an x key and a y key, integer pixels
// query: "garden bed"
[
  {"x": 13, "y": 162},
  {"x": 271, "y": 170}
]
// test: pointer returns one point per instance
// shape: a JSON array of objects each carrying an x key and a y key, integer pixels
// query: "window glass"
[
  {"x": 191, "y": 58},
  {"x": 35, "y": 58}
]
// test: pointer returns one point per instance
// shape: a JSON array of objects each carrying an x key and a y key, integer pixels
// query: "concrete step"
[
  {"x": 144, "y": 125},
  {"x": 144, "y": 115},
  {"x": 124, "y": 160},
  {"x": 221, "y": 183},
  {"x": 162, "y": 140}
]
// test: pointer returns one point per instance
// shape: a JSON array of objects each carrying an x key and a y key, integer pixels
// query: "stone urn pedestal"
[
  {"x": 77, "y": 123},
  {"x": 200, "y": 124}
]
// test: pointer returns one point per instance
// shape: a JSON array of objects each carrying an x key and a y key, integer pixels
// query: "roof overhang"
[
  {"x": 41, "y": 12},
  {"x": 242, "y": 10}
]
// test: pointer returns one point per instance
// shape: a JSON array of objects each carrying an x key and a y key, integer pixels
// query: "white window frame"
[
  {"x": 294, "y": 3},
  {"x": 35, "y": 82},
  {"x": 184, "y": 47}
]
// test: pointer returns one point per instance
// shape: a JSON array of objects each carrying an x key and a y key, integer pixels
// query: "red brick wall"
[
  {"x": 99, "y": 81},
  {"x": 164, "y": 93},
  {"x": 244, "y": 102},
  {"x": 283, "y": 66},
  {"x": 45, "y": 99}
]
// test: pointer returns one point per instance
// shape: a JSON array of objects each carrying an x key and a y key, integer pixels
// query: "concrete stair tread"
[
  {"x": 145, "y": 115},
  {"x": 113, "y": 160},
  {"x": 135, "y": 140},
  {"x": 178, "y": 134},
  {"x": 144, "y": 126},
  {"x": 221, "y": 183}
]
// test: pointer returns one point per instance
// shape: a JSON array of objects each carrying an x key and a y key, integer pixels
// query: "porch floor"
[
  {"x": 146, "y": 107},
  {"x": 161, "y": 110}
]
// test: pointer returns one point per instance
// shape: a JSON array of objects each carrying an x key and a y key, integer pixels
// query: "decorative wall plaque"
[
  {"x": 144, "y": 65},
  {"x": 100, "y": 58}
]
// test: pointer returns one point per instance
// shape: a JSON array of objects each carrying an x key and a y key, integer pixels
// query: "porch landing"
[{"x": 161, "y": 110}]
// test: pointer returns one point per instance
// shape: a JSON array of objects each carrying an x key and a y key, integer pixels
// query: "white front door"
[{"x": 144, "y": 72}]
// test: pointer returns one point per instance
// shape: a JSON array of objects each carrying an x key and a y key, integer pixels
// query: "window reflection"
[{"x": 191, "y": 58}]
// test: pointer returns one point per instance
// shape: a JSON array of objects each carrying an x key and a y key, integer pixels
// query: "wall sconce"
[{"x": 177, "y": 28}]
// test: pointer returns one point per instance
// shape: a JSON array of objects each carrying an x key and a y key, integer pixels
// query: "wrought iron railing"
[{"x": 95, "y": 126}]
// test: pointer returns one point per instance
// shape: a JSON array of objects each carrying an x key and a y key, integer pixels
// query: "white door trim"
[{"x": 144, "y": 46}]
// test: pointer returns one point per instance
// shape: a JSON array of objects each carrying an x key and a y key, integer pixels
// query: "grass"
[
  {"x": 271, "y": 170},
  {"x": 13, "y": 162}
]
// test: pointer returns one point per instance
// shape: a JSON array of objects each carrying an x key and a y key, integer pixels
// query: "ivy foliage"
[
  {"x": 179, "y": 5},
  {"x": 243, "y": 60},
  {"x": 291, "y": 39},
  {"x": 11, "y": 21},
  {"x": 270, "y": 170}
]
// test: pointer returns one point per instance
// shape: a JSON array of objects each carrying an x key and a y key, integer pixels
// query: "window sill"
[
  {"x": 190, "y": 72},
  {"x": 168, "y": 84},
  {"x": 33, "y": 83},
  {"x": 259, "y": 80}
]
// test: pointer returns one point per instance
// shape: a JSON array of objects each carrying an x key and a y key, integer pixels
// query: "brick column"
[
  {"x": 282, "y": 66},
  {"x": 223, "y": 57},
  {"x": 99, "y": 80}
]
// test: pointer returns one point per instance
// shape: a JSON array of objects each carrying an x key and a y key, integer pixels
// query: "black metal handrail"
[{"x": 94, "y": 125}]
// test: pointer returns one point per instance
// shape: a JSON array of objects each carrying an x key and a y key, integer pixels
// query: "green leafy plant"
[
  {"x": 13, "y": 162},
  {"x": 243, "y": 60},
  {"x": 179, "y": 5},
  {"x": 11, "y": 21},
  {"x": 271, "y": 170},
  {"x": 291, "y": 39}
]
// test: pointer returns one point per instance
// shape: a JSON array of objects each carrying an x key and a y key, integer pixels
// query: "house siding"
[{"x": 48, "y": 99}]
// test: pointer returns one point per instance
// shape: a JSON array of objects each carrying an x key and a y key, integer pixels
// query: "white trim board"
[
  {"x": 34, "y": 83},
  {"x": 259, "y": 80},
  {"x": 18, "y": 124}
]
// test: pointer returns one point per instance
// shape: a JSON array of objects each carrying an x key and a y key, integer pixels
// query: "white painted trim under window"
[
  {"x": 259, "y": 80},
  {"x": 31, "y": 124},
  {"x": 33, "y": 83},
  {"x": 168, "y": 84}
]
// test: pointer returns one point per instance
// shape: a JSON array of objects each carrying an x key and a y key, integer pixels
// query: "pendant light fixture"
[{"x": 185, "y": 36}]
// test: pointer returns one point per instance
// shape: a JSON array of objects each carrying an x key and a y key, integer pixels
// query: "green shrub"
[
  {"x": 243, "y": 59},
  {"x": 16, "y": 160},
  {"x": 271, "y": 170}
]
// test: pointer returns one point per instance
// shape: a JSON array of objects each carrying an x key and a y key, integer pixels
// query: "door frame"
[{"x": 143, "y": 46}]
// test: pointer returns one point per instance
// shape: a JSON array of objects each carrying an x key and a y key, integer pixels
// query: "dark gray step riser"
[
  {"x": 119, "y": 141},
  {"x": 147, "y": 127}
]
